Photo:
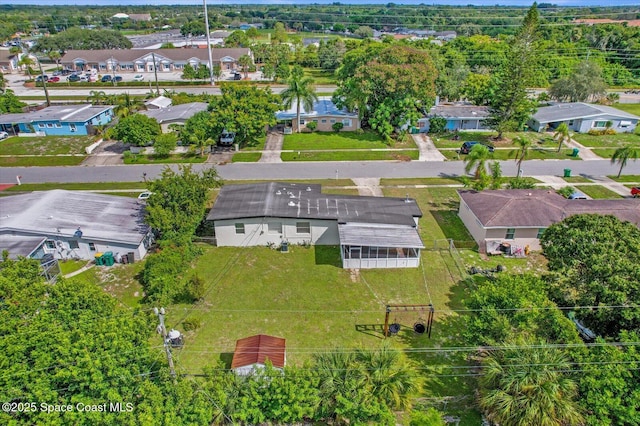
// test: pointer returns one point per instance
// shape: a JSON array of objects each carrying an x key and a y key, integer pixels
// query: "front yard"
[
  {"x": 333, "y": 140},
  {"x": 45, "y": 145},
  {"x": 608, "y": 141}
]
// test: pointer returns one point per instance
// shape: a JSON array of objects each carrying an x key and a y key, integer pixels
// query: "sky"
[{"x": 303, "y": 2}]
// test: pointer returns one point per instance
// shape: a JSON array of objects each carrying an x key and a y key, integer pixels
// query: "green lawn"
[
  {"x": 445, "y": 140},
  {"x": 421, "y": 181},
  {"x": 320, "y": 76},
  {"x": 597, "y": 191},
  {"x": 246, "y": 157},
  {"x": 174, "y": 158},
  {"x": 608, "y": 141},
  {"x": 27, "y": 161},
  {"x": 75, "y": 186},
  {"x": 45, "y": 145},
  {"x": 626, "y": 178},
  {"x": 508, "y": 154},
  {"x": 68, "y": 266},
  {"x": 630, "y": 108},
  {"x": 333, "y": 140},
  {"x": 343, "y": 155},
  {"x": 577, "y": 179}
]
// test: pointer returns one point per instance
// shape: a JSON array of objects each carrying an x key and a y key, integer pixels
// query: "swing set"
[{"x": 420, "y": 326}]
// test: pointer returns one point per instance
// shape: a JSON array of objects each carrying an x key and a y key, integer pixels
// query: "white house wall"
[
  {"x": 257, "y": 233},
  {"x": 473, "y": 224}
]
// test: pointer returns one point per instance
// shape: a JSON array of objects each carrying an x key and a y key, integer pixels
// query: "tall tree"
[
  {"x": 478, "y": 158},
  {"x": 623, "y": 155},
  {"x": 136, "y": 129},
  {"x": 562, "y": 134},
  {"x": 9, "y": 102},
  {"x": 523, "y": 146},
  {"x": 300, "y": 90},
  {"x": 510, "y": 108},
  {"x": 586, "y": 83},
  {"x": 245, "y": 62},
  {"x": 522, "y": 384}
]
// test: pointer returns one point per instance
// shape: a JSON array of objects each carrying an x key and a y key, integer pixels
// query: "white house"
[
  {"x": 176, "y": 114},
  {"x": 458, "y": 116},
  {"x": 73, "y": 224},
  {"x": 325, "y": 113},
  {"x": 372, "y": 232},
  {"x": 582, "y": 117},
  {"x": 253, "y": 352}
]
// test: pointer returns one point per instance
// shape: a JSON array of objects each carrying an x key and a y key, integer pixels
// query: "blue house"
[{"x": 61, "y": 120}]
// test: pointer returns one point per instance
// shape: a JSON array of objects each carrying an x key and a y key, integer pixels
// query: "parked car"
[
  {"x": 237, "y": 76},
  {"x": 54, "y": 79},
  {"x": 106, "y": 78},
  {"x": 467, "y": 146},
  {"x": 577, "y": 195},
  {"x": 42, "y": 77},
  {"x": 4, "y": 135},
  {"x": 635, "y": 191},
  {"x": 73, "y": 78},
  {"x": 138, "y": 77},
  {"x": 117, "y": 78},
  {"x": 144, "y": 195}
]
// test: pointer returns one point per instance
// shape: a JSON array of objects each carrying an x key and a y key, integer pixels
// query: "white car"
[
  {"x": 4, "y": 135},
  {"x": 138, "y": 77},
  {"x": 145, "y": 195}
]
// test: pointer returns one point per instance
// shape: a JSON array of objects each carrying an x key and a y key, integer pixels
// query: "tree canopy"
[
  {"x": 584, "y": 84},
  {"x": 10, "y": 103},
  {"x": 137, "y": 129},
  {"x": 80, "y": 39}
]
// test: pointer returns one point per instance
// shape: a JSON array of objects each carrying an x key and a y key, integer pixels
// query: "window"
[
  {"x": 275, "y": 227},
  {"x": 599, "y": 124},
  {"x": 41, "y": 125},
  {"x": 58, "y": 125},
  {"x": 50, "y": 244},
  {"x": 49, "y": 125},
  {"x": 332, "y": 121},
  {"x": 540, "y": 232},
  {"x": 72, "y": 127},
  {"x": 73, "y": 244},
  {"x": 324, "y": 121},
  {"x": 302, "y": 121},
  {"x": 239, "y": 228},
  {"x": 510, "y": 233},
  {"x": 346, "y": 122},
  {"x": 92, "y": 247},
  {"x": 570, "y": 123},
  {"x": 303, "y": 228}
]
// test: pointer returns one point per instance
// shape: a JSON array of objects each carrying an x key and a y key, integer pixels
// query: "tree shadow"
[
  {"x": 227, "y": 359},
  {"x": 328, "y": 255}
]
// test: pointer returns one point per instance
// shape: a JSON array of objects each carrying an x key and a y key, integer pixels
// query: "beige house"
[
  {"x": 517, "y": 218},
  {"x": 324, "y": 112}
]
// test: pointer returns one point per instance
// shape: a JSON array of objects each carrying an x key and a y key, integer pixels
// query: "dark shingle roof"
[
  {"x": 274, "y": 199},
  {"x": 538, "y": 208}
]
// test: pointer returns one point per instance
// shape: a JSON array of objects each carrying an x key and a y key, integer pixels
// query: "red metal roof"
[{"x": 256, "y": 349}]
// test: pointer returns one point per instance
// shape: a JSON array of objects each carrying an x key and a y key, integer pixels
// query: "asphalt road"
[{"x": 308, "y": 170}]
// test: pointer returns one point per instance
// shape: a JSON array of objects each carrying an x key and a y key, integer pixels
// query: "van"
[{"x": 467, "y": 146}]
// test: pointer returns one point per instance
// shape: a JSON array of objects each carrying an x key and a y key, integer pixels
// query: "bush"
[
  {"x": 196, "y": 288},
  {"x": 437, "y": 124},
  {"x": 164, "y": 144},
  {"x": 337, "y": 126},
  {"x": 191, "y": 324},
  {"x": 566, "y": 191},
  {"x": 601, "y": 132},
  {"x": 312, "y": 125},
  {"x": 521, "y": 183},
  {"x": 162, "y": 271}
]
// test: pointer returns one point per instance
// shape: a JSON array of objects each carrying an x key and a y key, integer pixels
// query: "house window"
[
  {"x": 540, "y": 232},
  {"x": 599, "y": 124},
  {"x": 303, "y": 228},
  {"x": 302, "y": 121},
  {"x": 50, "y": 244},
  {"x": 510, "y": 233},
  {"x": 346, "y": 122},
  {"x": 92, "y": 247},
  {"x": 275, "y": 227},
  {"x": 58, "y": 125},
  {"x": 73, "y": 244},
  {"x": 41, "y": 125},
  {"x": 239, "y": 228},
  {"x": 332, "y": 121},
  {"x": 324, "y": 121},
  {"x": 570, "y": 123},
  {"x": 72, "y": 127},
  {"x": 50, "y": 125}
]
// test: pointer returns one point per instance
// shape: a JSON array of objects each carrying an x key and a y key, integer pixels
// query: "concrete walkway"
[
  {"x": 272, "y": 148},
  {"x": 585, "y": 153},
  {"x": 555, "y": 182},
  {"x": 428, "y": 151},
  {"x": 81, "y": 270},
  {"x": 368, "y": 186},
  {"x": 611, "y": 184}
]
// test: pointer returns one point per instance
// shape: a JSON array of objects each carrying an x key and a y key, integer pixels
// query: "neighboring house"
[
  {"x": 137, "y": 60},
  {"x": 372, "y": 232},
  {"x": 519, "y": 217},
  {"x": 253, "y": 352},
  {"x": 459, "y": 117},
  {"x": 73, "y": 225},
  {"x": 158, "y": 103},
  {"x": 177, "y": 114},
  {"x": 60, "y": 120},
  {"x": 445, "y": 35},
  {"x": 8, "y": 61},
  {"x": 324, "y": 112},
  {"x": 582, "y": 117},
  {"x": 140, "y": 16}
]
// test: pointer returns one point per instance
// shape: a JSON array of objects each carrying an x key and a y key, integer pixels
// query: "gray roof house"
[
  {"x": 459, "y": 117},
  {"x": 324, "y": 112},
  {"x": 582, "y": 117},
  {"x": 72, "y": 225},
  {"x": 58, "y": 120},
  {"x": 175, "y": 114},
  {"x": 372, "y": 232},
  {"x": 520, "y": 216}
]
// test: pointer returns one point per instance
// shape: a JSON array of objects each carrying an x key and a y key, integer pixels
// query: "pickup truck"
[{"x": 635, "y": 192}]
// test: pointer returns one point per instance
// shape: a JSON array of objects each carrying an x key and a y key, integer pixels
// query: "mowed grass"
[
  {"x": 333, "y": 140},
  {"x": 45, "y": 145},
  {"x": 608, "y": 141},
  {"x": 246, "y": 157},
  {"x": 41, "y": 161},
  {"x": 171, "y": 159},
  {"x": 535, "y": 153},
  {"x": 598, "y": 192},
  {"x": 320, "y": 76},
  {"x": 344, "y": 155},
  {"x": 625, "y": 178}
]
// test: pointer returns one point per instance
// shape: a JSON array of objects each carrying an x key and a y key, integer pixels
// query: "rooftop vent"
[
  {"x": 278, "y": 192},
  {"x": 308, "y": 188},
  {"x": 292, "y": 204}
]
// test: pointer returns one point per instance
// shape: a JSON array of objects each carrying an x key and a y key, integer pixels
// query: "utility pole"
[
  {"x": 155, "y": 71},
  {"x": 206, "y": 27},
  {"x": 162, "y": 330},
  {"x": 44, "y": 84}
]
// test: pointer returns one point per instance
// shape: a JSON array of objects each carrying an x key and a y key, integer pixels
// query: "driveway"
[
  {"x": 272, "y": 148},
  {"x": 108, "y": 153},
  {"x": 428, "y": 151}
]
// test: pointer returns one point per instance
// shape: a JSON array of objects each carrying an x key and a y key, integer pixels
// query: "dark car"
[
  {"x": 42, "y": 77},
  {"x": 73, "y": 78},
  {"x": 467, "y": 146},
  {"x": 237, "y": 76},
  {"x": 105, "y": 78},
  {"x": 117, "y": 78}
]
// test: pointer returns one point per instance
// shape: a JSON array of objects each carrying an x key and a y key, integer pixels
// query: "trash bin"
[
  {"x": 108, "y": 258},
  {"x": 99, "y": 260},
  {"x": 567, "y": 172},
  {"x": 575, "y": 152}
]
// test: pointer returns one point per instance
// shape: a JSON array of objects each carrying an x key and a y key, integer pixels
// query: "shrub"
[
  {"x": 566, "y": 191},
  {"x": 312, "y": 125},
  {"x": 337, "y": 126},
  {"x": 437, "y": 124},
  {"x": 162, "y": 271},
  {"x": 196, "y": 288},
  {"x": 521, "y": 183},
  {"x": 164, "y": 144},
  {"x": 191, "y": 324}
]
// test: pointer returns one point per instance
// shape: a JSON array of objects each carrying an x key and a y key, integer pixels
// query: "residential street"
[{"x": 309, "y": 170}]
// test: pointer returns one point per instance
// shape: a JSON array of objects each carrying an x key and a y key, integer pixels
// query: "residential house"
[
  {"x": 582, "y": 117},
  {"x": 324, "y": 112},
  {"x": 253, "y": 352},
  {"x": 176, "y": 114},
  {"x": 158, "y": 103},
  {"x": 459, "y": 117},
  {"x": 518, "y": 217},
  {"x": 372, "y": 232},
  {"x": 73, "y": 225},
  {"x": 137, "y": 60},
  {"x": 133, "y": 16},
  {"x": 59, "y": 120},
  {"x": 8, "y": 61}
]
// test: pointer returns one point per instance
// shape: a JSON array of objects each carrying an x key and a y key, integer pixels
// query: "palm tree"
[
  {"x": 524, "y": 385},
  {"x": 340, "y": 378},
  {"x": 562, "y": 134},
  {"x": 301, "y": 90},
  {"x": 96, "y": 97},
  {"x": 55, "y": 56},
  {"x": 390, "y": 377},
  {"x": 477, "y": 157},
  {"x": 622, "y": 155},
  {"x": 521, "y": 153},
  {"x": 245, "y": 62},
  {"x": 26, "y": 61}
]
